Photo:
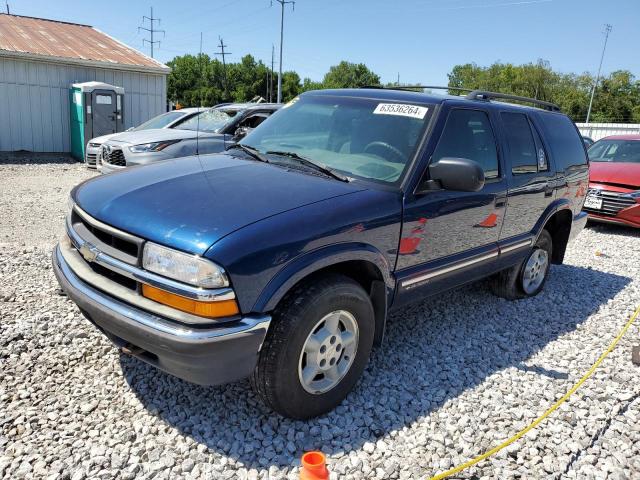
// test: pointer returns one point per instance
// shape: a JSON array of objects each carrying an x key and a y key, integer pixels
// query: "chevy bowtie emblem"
[{"x": 89, "y": 252}]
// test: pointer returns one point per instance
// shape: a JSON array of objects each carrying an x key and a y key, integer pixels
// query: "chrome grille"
[
  {"x": 612, "y": 202},
  {"x": 113, "y": 156}
]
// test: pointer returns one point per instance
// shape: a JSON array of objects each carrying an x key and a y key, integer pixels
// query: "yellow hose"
[{"x": 549, "y": 411}]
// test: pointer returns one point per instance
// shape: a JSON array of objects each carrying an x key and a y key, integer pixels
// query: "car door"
[
  {"x": 531, "y": 185},
  {"x": 450, "y": 237}
]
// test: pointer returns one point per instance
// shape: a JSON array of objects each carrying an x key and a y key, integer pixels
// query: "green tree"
[
  {"x": 350, "y": 75},
  {"x": 617, "y": 97},
  {"x": 308, "y": 84}
]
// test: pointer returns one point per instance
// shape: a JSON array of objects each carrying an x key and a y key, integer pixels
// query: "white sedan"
[{"x": 92, "y": 156}]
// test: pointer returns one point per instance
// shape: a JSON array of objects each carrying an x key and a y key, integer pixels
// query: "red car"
[{"x": 614, "y": 180}]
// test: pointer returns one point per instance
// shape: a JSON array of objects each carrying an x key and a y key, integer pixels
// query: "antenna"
[
  {"x": 607, "y": 31},
  {"x": 200, "y": 107},
  {"x": 282, "y": 4},
  {"x": 224, "y": 64},
  {"x": 273, "y": 49},
  {"x": 151, "y": 30}
]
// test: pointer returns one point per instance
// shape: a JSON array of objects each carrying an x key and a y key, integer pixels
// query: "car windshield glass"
[
  {"x": 210, "y": 121},
  {"x": 160, "y": 121},
  {"x": 358, "y": 137},
  {"x": 615, "y": 151}
]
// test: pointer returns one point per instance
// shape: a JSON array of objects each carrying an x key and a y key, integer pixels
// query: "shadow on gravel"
[
  {"x": 433, "y": 352},
  {"x": 35, "y": 158}
]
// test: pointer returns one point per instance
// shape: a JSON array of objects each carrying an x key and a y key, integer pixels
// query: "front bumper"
[{"x": 202, "y": 355}]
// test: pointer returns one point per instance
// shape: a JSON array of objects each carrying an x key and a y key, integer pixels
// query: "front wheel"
[
  {"x": 528, "y": 277},
  {"x": 317, "y": 347}
]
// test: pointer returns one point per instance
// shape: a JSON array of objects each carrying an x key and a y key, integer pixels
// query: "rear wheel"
[
  {"x": 317, "y": 347},
  {"x": 527, "y": 278}
]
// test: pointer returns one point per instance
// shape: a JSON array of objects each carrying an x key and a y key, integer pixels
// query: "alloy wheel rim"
[
  {"x": 328, "y": 352},
  {"x": 535, "y": 270}
]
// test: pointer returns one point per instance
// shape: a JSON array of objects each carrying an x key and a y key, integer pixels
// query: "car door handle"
[{"x": 501, "y": 203}]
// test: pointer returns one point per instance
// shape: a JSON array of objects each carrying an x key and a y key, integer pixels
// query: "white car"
[
  {"x": 92, "y": 156},
  {"x": 212, "y": 131}
]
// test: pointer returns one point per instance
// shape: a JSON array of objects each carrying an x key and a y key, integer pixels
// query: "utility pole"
[
  {"x": 151, "y": 30},
  {"x": 398, "y": 82},
  {"x": 224, "y": 63},
  {"x": 8, "y": 13},
  {"x": 282, "y": 4},
  {"x": 607, "y": 31}
]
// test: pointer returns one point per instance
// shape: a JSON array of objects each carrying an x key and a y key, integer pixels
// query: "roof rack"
[
  {"x": 411, "y": 87},
  {"x": 485, "y": 95}
]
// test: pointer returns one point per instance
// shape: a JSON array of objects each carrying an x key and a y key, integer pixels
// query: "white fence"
[{"x": 600, "y": 130}]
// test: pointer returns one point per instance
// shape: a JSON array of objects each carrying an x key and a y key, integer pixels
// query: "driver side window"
[
  {"x": 468, "y": 134},
  {"x": 254, "y": 120}
]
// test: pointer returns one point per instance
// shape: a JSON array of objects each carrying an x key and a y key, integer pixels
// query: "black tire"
[
  {"x": 509, "y": 283},
  {"x": 276, "y": 379}
]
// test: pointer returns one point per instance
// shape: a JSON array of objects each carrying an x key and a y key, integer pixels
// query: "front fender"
[{"x": 318, "y": 259}]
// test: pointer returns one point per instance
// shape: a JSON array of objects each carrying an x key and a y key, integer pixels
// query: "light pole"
[
  {"x": 282, "y": 4},
  {"x": 607, "y": 31}
]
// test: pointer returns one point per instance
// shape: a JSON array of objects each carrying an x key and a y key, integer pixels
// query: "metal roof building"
[{"x": 40, "y": 59}]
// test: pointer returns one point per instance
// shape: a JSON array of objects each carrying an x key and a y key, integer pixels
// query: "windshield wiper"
[
  {"x": 310, "y": 163},
  {"x": 251, "y": 151}
]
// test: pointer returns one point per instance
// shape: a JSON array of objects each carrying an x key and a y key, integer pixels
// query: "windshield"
[
  {"x": 358, "y": 137},
  {"x": 210, "y": 121},
  {"x": 160, "y": 121},
  {"x": 615, "y": 151}
]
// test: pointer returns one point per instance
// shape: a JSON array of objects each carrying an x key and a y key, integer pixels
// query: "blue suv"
[{"x": 281, "y": 258}]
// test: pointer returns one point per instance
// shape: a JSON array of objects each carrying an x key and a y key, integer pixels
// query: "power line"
[
  {"x": 151, "y": 30},
  {"x": 282, "y": 4},
  {"x": 607, "y": 31},
  {"x": 224, "y": 63}
]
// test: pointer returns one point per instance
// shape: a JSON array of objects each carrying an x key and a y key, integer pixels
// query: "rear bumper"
[
  {"x": 206, "y": 356},
  {"x": 579, "y": 222}
]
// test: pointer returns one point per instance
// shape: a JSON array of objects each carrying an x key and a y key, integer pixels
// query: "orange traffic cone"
[{"x": 314, "y": 467}]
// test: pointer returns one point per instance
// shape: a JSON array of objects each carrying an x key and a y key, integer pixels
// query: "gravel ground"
[{"x": 456, "y": 376}]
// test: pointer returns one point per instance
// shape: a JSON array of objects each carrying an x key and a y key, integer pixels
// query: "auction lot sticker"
[{"x": 413, "y": 111}]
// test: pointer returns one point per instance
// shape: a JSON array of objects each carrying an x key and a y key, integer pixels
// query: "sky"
[{"x": 419, "y": 40}]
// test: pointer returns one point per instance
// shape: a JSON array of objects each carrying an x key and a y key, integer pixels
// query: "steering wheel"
[{"x": 384, "y": 147}]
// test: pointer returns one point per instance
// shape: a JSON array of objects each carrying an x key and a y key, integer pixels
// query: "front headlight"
[
  {"x": 94, "y": 145},
  {"x": 151, "y": 147},
  {"x": 183, "y": 267}
]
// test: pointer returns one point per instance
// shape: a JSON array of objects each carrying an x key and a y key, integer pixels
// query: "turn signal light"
[{"x": 223, "y": 308}]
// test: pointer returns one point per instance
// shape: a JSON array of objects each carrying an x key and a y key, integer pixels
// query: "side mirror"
[
  {"x": 459, "y": 174},
  {"x": 241, "y": 132}
]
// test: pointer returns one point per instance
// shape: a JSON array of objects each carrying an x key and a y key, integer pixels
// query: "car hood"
[
  {"x": 192, "y": 202},
  {"x": 621, "y": 173},
  {"x": 157, "y": 135},
  {"x": 103, "y": 138}
]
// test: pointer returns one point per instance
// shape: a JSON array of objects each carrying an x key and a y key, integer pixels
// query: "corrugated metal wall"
[
  {"x": 34, "y": 101},
  {"x": 601, "y": 130}
]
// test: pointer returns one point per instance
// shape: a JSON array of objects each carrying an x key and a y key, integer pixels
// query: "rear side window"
[
  {"x": 468, "y": 134},
  {"x": 564, "y": 141},
  {"x": 522, "y": 148}
]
